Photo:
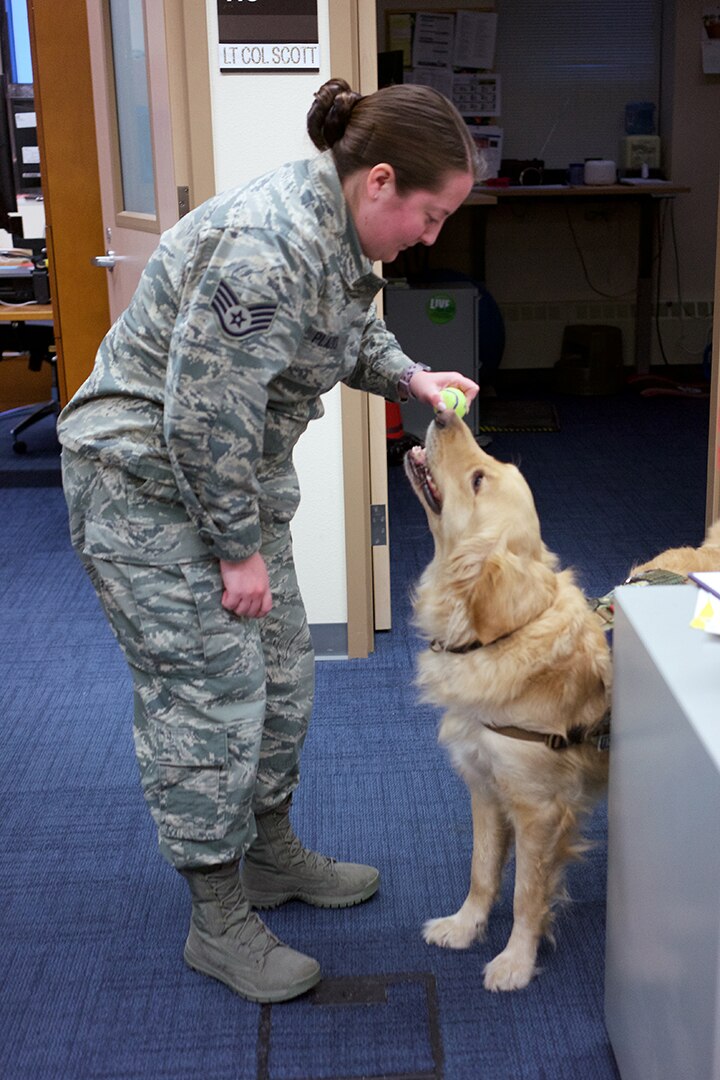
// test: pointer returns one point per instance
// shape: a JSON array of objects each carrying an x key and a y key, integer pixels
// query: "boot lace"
[
  {"x": 302, "y": 856},
  {"x": 246, "y": 927},
  {"x": 256, "y": 937}
]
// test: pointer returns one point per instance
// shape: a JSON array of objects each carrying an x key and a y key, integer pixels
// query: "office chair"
[{"x": 47, "y": 408}]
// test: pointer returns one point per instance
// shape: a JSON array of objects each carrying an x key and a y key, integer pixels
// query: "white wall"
[{"x": 258, "y": 124}]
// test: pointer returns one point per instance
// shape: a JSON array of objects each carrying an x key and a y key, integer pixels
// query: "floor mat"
[{"x": 498, "y": 415}]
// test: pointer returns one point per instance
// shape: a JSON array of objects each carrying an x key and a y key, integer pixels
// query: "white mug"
[{"x": 600, "y": 171}]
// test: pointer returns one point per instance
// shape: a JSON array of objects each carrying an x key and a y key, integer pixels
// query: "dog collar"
[{"x": 437, "y": 646}]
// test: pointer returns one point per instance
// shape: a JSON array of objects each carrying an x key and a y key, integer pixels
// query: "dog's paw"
[
  {"x": 509, "y": 971},
  {"x": 452, "y": 932}
]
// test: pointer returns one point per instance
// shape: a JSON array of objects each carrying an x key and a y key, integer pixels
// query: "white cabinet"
[
  {"x": 435, "y": 325},
  {"x": 662, "y": 987}
]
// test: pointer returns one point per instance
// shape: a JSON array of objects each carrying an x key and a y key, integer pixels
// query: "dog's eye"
[{"x": 477, "y": 479}]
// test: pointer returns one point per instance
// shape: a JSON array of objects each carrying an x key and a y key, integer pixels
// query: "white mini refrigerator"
[{"x": 435, "y": 325}]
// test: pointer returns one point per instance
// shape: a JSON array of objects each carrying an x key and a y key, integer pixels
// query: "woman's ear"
[
  {"x": 380, "y": 180},
  {"x": 508, "y": 593}
]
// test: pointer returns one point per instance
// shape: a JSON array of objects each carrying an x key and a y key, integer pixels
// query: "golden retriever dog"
[
  {"x": 522, "y": 671},
  {"x": 685, "y": 560}
]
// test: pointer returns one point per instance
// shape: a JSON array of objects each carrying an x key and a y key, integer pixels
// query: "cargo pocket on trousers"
[
  {"x": 192, "y": 769},
  {"x": 231, "y": 646}
]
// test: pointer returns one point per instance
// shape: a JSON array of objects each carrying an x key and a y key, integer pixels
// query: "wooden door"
[
  {"x": 131, "y": 96},
  {"x": 69, "y": 157},
  {"x": 66, "y": 137}
]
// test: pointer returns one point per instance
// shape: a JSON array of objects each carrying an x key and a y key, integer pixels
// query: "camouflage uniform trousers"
[{"x": 222, "y": 703}]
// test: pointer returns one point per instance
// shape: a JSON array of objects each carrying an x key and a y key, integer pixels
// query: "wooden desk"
[
  {"x": 645, "y": 195},
  {"x": 28, "y": 328},
  {"x": 26, "y": 313},
  {"x": 570, "y": 191},
  {"x": 17, "y": 336}
]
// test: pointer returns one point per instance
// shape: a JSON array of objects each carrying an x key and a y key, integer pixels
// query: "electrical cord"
[
  {"x": 669, "y": 214},
  {"x": 658, "y": 276},
  {"x": 608, "y": 296}
]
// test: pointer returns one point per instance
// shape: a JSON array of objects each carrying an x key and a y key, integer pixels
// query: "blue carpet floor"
[
  {"x": 92, "y": 921},
  {"x": 39, "y": 466}
]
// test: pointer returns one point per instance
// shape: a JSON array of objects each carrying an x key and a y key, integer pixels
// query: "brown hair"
[{"x": 413, "y": 128}]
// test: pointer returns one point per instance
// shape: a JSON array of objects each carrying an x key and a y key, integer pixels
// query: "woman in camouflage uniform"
[{"x": 177, "y": 468}]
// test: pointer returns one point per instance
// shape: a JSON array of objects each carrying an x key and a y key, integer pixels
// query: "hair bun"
[{"x": 330, "y": 112}]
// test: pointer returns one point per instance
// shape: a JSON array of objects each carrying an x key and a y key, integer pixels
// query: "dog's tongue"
[
  {"x": 431, "y": 494},
  {"x": 424, "y": 478}
]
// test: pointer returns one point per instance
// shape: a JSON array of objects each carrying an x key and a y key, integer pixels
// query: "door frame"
[
  {"x": 188, "y": 59},
  {"x": 353, "y": 56},
  {"x": 713, "y": 466}
]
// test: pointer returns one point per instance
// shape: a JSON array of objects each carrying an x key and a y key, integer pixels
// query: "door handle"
[{"x": 105, "y": 262}]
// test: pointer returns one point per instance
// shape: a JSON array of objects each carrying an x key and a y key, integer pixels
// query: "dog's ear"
[{"x": 509, "y": 593}]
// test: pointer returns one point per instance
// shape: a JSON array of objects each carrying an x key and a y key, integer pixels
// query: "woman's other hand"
[{"x": 246, "y": 587}]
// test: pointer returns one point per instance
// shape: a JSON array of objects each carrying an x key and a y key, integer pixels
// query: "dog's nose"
[{"x": 443, "y": 418}]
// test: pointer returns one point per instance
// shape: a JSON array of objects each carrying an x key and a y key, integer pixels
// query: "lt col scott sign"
[{"x": 268, "y": 35}]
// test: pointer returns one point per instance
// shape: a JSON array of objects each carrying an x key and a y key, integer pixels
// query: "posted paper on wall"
[
  {"x": 433, "y": 40},
  {"x": 475, "y": 33},
  {"x": 440, "y": 79},
  {"x": 476, "y": 95},
  {"x": 488, "y": 141}
]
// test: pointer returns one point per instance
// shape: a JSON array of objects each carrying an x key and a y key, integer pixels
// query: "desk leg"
[{"x": 643, "y": 296}]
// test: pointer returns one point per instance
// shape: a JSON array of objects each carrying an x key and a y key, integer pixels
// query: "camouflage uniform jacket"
[{"x": 253, "y": 305}]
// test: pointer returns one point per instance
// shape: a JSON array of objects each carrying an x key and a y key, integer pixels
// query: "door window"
[{"x": 132, "y": 99}]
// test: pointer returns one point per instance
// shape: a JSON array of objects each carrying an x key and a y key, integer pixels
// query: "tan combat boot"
[
  {"x": 229, "y": 942},
  {"x": 278, "y": 868}
]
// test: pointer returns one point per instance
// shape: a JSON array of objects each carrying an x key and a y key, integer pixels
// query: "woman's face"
[{"x": 387, "y": 223}]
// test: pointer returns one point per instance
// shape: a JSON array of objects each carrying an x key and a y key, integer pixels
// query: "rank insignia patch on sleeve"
[{"x": 238, "y": 320}]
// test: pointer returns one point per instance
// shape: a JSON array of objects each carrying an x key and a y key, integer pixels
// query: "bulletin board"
[
  {"x": 452, "y": 49},
  {"x": 564, "y": 73}
]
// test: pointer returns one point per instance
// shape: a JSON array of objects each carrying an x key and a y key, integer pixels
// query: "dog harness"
[
  {"x": 604, "y": 606},
  {"x": 599, "y": 737}
]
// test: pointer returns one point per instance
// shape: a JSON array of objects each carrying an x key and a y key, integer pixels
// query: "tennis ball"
[{"x": 455, "y": 399}]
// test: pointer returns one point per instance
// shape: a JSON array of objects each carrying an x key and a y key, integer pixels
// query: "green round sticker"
[{"x": 441, "y": 308}]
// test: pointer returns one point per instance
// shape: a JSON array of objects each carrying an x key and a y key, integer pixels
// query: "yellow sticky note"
[{"x": 707, "y": 614}]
